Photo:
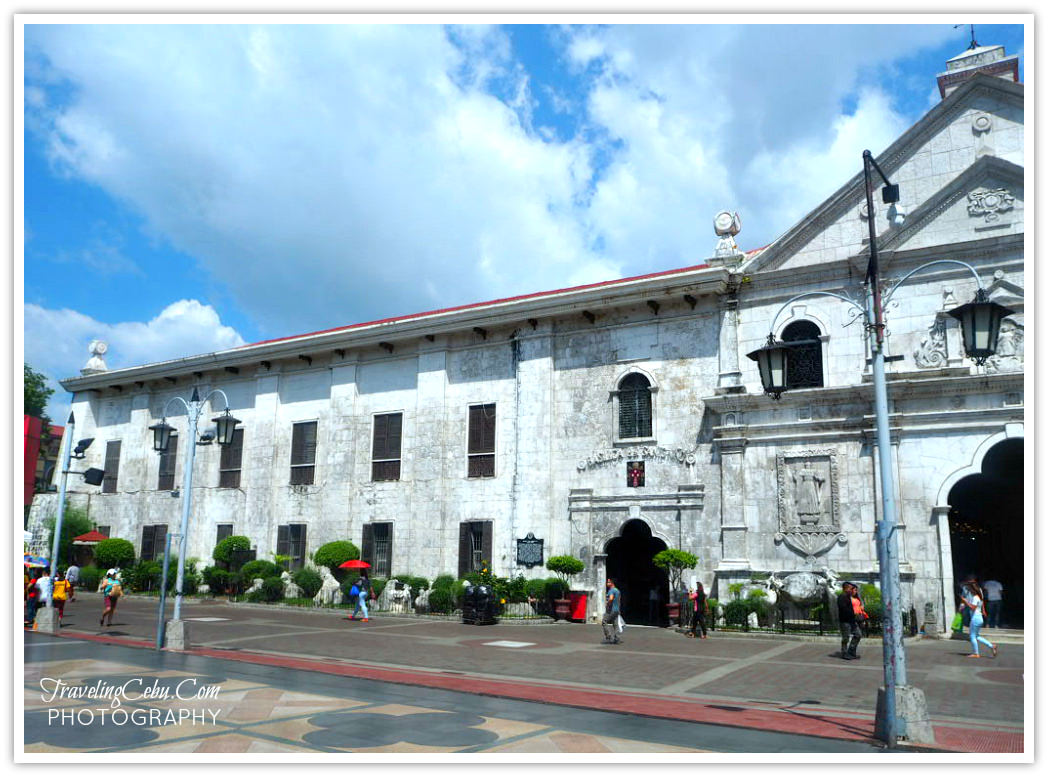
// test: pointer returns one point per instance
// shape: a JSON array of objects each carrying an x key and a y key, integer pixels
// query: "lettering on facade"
[
  {"x": 640, "y": 453},
  {"x": 529, "y": 551}
]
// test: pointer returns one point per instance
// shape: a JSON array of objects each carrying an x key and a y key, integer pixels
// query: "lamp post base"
[
  {"x": 912, "y": 710},
  {"x": 176, "y": 636},
  {"x": 47, "y": 620}
]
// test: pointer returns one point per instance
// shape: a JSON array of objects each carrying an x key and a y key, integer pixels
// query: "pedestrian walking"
[
  {"x": 994, "y": 596},
  {"x": 72, "y": 576},
  {"x": 611, "y": 613},
  {"x": 364, "y": 592},
  {"x": 973, "y": 600},
  {"x": 60, "y": 594},
  {"x": 700, "y": 609},
  {"x": 32, "y": 598},
  {"x": 852, "y": 617},
  {"x": 44, "y": 586},
  {"x": 112, "y": 590}
]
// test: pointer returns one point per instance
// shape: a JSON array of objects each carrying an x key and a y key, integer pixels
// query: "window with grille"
[
  {"x": 166, "y": 481},
  {"x": 474, "y": 546},
  {"x": 112, "y": 467},
  {"x": 385, "y": 451},
  {"x": 291, "y": 541},
  {"x": 481, "y": 453},
  {"x": 377, "y": 548},
  {"x": 303, "y": 453},
  {"x": 229, "y": 462},
  {"x": 153, "y": 538},
  {"x": 224, "y": 530},
  {"x": 804, "y": 360},
  {"x": 634, "y": 407}
]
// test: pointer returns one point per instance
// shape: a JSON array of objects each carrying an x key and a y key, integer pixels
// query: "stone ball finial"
[
  {"x": 727, "y": 224},
  {"x": 96, "y": 363}
]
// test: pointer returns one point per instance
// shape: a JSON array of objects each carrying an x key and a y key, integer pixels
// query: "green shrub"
[
  {"x": 144, "y": 576},
  {"x": 224, "y": 550},
  {"x": 309, "y": 581},
  {"x": 114, "y": 552},
  {"x": 556, "y": 588},
  {"x": 564, "y": 567},
  {"x": 415, "y": 583},
  {"x": 517, "y": 589},
  {"x": 675, "y": 561},
  {"x": 259, "y": 568},
  {"x": 536, "y": 589},
  {"x": 871, "y": 602},
  {"x": 736, "y": 612},
  {"x": 90, "y": 577},
  {"x": 443, "y": 581},
  {"x": 442, "y": 599},
  {"x": 714, "y": 604},
  {"x": 191, "y": 578},
  {"x": 218, "y": 580},
  {"x": 272, "y": 589},
  {"x": 257, "y": 596},
  {"x": 332, "y": 554},
  {"x": 378, "y": 585}
]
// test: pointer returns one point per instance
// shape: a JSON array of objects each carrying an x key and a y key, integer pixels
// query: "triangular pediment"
[{"x": 980, "y": 121}]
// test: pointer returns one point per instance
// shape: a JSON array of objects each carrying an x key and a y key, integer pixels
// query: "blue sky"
[{"x": 192, "y": 187}]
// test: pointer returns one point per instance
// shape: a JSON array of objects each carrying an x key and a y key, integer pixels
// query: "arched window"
[
  {"x": 804, "y": 364},
  {"x": 634, "y": 407}
]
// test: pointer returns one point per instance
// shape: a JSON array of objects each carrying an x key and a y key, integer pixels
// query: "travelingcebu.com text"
[{"x": 134, "y": 689}]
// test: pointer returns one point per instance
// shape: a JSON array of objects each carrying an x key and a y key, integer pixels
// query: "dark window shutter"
[
  {"x": 482, "y": 429},
  {"x": 634, "y": 407},
  {"x": 147, "y": 543},
  {"x": 282, "y": 540},
  {"x": 485, "y": 542},
  {"x": 159, "y": 538},
  {"x": 112, "y": 467},
  {"x": 804, "y": 364},
  {"x": 304, "y": 443},
  {"x": 393, "y": 444},
  {"x": 367, "y": 545},
  {"x": 475, "y": 433},
  {"x": 229, "y": 464},
  {"x": 380, "y": 444},
  {"x": 387, "y": 557},
  {"x": 465, "y": 550},
  {"x": 166, "y": 480}
]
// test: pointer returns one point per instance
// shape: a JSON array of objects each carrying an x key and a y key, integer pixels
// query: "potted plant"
[
  {"x": 564, "y": 567},
  {"x": 675, "y": 562}
]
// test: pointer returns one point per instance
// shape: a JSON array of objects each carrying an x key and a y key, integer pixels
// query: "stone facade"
[{"x": 746, "y": 483}]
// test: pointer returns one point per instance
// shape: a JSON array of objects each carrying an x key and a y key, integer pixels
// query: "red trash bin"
[{"x": 578, "y": 606}]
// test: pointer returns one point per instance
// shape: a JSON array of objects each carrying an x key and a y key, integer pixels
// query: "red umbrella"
[{"x": 354, "y": 563}]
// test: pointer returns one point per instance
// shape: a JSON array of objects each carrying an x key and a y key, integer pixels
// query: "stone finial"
[
  {"x": 727, "y": 225},
  {"x": 96, "y": 363}
]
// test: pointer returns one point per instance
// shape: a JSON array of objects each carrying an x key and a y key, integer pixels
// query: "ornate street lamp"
[
  {"x": 226, "y": 425},
  {"x": 161, "y": 435},
  {"x": 771, "y": 360},
  {"x": 980, "y": 325}
]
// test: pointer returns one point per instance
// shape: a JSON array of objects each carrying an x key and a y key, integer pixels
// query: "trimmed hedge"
[
  {"x": 332, "y": 554},
  {"x": 259, "y": 568},
  {"x": 90, "y": 577},
  {"x": 224, "y": 550},
  {"x": 309, "y": 581},
  {"x": 114, "y": 552}
]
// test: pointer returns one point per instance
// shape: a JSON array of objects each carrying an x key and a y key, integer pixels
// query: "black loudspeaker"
[{"x": 93, "y": 476}]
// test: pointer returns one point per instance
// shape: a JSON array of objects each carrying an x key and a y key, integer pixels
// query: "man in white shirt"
[
  {"x": 993, "y": 590},
  {"x": 43, "y": 585}
]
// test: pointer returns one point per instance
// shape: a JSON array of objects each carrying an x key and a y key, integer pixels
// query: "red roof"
[
  {"x": 490, "y": 302},
  {"x": 91, "y": 536}
]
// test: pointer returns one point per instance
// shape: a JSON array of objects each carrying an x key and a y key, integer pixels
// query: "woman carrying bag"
[{"x": 973, "y": 600}]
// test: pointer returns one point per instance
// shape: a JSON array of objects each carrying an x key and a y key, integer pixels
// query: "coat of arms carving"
[{"x": 809, "y": 504}]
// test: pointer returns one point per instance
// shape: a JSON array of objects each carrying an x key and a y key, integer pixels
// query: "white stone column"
[
  {"x": 734, "y": 553},
  {"x": 730, "y": 377},
  {"x": 424, "y": 540},
  {"x": 941, "y": 519}
]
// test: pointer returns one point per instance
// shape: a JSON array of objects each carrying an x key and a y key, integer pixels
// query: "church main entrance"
[
  {"x": 644, "y": 587},
  {"x": 986, "y": 526}
]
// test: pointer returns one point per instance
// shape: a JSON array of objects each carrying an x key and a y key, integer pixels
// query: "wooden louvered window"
[
  {"x": 224, "y": 530},
  {"x": 474, "y": 546},
  {"x": 166, "y": 480},
  {"x": 377, "y": 548},
  {"x": 804, "y": 360},
  {"x": 229, "y": 462},
  {"x": 385, "y": 451},
  {"x": 481, "y": 453},
  {"x": 112, "y": 467},
  {"x": 291, "y": 541},
  {"x": 634, "y": 407},
  {"x": 153, "y": 538},
  {"x": 303, "y": 453}
]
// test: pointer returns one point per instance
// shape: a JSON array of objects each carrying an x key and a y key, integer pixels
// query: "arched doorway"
[
  {"x": 629, "y": 565},
  {"x": 986, "y": 526}
]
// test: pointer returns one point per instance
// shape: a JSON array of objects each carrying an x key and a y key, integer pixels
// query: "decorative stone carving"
[
  {"x": 329, "y": 592},
  {"x": 931, "y": 353},
  {"x": 1009, "y": 356},
  {"x": 804, "y": 587},
  {"x": 422, "y": 602},
  {"x": 256, "y": 585},
  {"x": 981, "y": 123},
  {"x": 989, "y": 203},
  {"x": 96, "y": 363},
  {"x": 809, "y": 504},
  {"x": 291, "y": 588},
  {"x": 727, "y": 225}
]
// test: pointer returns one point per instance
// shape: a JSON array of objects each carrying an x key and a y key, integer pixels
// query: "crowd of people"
[{"x": 43, "y": 590}]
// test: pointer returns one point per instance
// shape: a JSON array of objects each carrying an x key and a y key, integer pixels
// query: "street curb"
[{"x": 801, "y": 722}]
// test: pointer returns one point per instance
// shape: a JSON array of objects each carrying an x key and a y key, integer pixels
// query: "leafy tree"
[
  {"x": 675, "y": 562},
  {"x": 37, "y": 393},
  {"x": 224, "y": 550},
  {"x": 74, "y": 523},
  {"x": 114, "y": 552},
  {"x": 565, "y": 567},
  {"x": 334, "y": 553}
]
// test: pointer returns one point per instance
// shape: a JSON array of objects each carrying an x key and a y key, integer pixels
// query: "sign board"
[{"x": 529, "y": 551}]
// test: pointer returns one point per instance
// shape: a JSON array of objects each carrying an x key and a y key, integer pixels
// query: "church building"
[{"x": 613, "y": 420}]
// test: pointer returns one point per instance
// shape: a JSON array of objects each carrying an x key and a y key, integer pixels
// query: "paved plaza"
[{"x": 302, "y": 679}]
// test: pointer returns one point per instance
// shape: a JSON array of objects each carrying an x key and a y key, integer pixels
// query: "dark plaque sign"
[{"x": 529, "y": 551}]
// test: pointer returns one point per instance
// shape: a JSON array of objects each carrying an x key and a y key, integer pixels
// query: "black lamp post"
[
  {"x": 772, "y": 359},
  {"x": 226, "y": 425},
  {"x": 161, "y": 435}
]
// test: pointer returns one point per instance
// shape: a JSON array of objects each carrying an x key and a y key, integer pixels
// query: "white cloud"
[
  {"x": 56, "y": 340},
  {"x": 331, "y": 174}
]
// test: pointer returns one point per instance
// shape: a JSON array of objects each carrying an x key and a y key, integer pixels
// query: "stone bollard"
[
  {"x": 176, "y": 635},
  {"x": 46, "y": 620}
]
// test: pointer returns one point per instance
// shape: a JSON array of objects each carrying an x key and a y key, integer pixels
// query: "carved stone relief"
[
  {"x": 989, "y": 203},
  {"x": 809, "y": 505},
  {"x": 931, "y": 353},
  {"x": 1009, "y": 356}
]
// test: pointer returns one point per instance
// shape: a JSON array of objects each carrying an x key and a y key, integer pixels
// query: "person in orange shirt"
[{"x": 60, "y": 594}]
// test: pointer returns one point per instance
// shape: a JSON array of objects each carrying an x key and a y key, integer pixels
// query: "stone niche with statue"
[{"x": 808, "y": 501}]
